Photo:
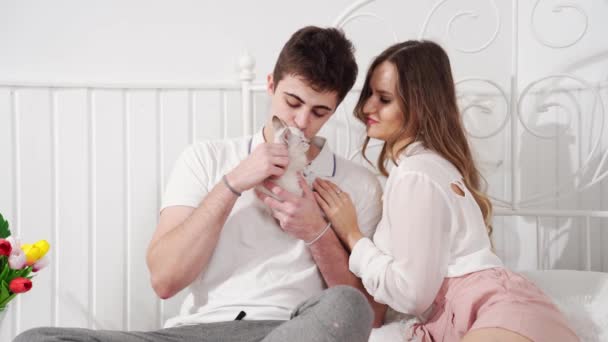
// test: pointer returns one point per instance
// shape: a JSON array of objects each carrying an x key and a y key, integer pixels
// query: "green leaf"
[
  {"x": 24, "y": 272},
  {"x": 4, "y": 231},
  {"x": 4, "y": 271},
  {"x": 4, "y": 292},
  {"x": 8, "y": 299}
]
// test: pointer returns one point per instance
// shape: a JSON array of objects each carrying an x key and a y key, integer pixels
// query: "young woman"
[{"x": 431, "y": 255}]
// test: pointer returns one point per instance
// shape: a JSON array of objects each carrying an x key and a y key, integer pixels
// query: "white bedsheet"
[{"x": 581, "y": 295}]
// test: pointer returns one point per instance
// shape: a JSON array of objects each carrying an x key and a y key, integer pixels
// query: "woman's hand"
[{"x": 340, "y": 211}]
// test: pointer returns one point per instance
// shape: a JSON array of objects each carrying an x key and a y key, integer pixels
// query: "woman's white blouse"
[{"x": 427, "y": 232}]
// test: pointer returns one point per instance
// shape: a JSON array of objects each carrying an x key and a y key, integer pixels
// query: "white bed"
[
  {"x": 582, "y": 296},
  {"x": 152, "y": 142}
]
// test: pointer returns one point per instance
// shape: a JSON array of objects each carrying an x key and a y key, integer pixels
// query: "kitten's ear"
[
  {"x": 277, "y": 123},
  {"x": 278, "y": 129},
  {"x": 287, "y": 135}
]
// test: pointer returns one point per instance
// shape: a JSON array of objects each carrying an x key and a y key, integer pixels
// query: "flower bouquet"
[{"x": 18, "y": 264}]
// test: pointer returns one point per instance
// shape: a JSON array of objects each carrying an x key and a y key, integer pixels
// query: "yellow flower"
[
  {"x": 43, "y": 245},
  {"x": 33, "y": 252}
]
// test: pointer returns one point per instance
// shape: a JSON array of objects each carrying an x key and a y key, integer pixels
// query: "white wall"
[
  {"x": 194, "y": 40},
  {"x": 84, "y": 169}
]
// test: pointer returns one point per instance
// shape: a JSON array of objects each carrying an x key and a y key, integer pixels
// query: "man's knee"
[
  {"x": 351, "y": 316},
  {"x": 35, "y": 335},
  {"x": 342, "y": 294},
  {"x": 351, "y": 302}
]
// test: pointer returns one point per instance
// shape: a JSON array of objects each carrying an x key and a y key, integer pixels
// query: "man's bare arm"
[
  {"x": 185, "y": 240},
  {"x": 332, "y": 260},
  {"x": 185, "y": 237}
]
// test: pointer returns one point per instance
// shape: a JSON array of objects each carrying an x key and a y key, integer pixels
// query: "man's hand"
[
  {"x": 300, "y": 216},
  {"x": 266, "y": 160}
]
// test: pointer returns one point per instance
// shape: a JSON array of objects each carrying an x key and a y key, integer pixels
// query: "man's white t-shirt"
[{"x": 256, "y": 266}]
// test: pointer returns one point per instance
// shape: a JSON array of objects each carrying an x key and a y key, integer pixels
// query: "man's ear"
[{"x": 270, "y": 84}]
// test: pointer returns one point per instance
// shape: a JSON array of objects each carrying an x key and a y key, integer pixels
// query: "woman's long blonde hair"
[{"x": 428, "y": 100}]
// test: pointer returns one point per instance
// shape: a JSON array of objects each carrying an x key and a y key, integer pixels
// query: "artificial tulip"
[
  {"x": 5, "y": 247},
  {"x": 33, "y": 252},
  {"x": 14, "y": 241},
  {"x": 20, "y": 285},
  {"x": 16, "y": 260},
  {"x": 44, "y": 246},
  {"x": 40, "y": 264}
]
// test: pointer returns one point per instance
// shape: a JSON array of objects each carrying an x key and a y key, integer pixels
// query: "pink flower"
[
  {"x": 5, "y": 247},
  {"x": 20, "y": 285},
  {"x": 17, "y": 260},
  {"x": 40, "y": 264},
  {"x": 14, "y": 241}
]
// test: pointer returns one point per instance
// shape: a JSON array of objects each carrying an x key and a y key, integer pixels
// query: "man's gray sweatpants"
[{"x": 340, "y": 313}]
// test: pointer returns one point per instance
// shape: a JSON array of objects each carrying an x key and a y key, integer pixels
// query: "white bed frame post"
[
  {"x": 515, "y": 171},
  {"x": 247, "y": 75}
]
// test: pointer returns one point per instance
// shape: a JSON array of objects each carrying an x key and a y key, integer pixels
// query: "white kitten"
[{"x": 297, "y": 146}]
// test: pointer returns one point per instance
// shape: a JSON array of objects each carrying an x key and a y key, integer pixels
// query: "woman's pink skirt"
[{"x": 493, "y": 298}]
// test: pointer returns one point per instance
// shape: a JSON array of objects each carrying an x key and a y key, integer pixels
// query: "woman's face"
[{"x": 384, "y": 116}]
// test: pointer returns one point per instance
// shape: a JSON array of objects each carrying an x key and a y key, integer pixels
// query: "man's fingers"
[
  {"x": 280, "y": 161},
  {"x": 273, "y": 203},
  {"x": 278, "y": 206},
  {"x": 305, "y": 188},
  {"x": 278, "y": 150},
  {"x": 321, "y": 202},
  {"x": 279, "y": 192},
  {"x": 261, "y": 195},
  {"x": 276, "y": 172},
  {"x": 283, "y": 194},
  {"x": 281, "y": 217}
]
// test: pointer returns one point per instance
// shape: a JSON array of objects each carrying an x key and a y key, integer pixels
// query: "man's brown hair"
[{"x": 324, "y": 57}]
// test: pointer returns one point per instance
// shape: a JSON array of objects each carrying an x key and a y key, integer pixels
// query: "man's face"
[{"x": 295, "y": 102}]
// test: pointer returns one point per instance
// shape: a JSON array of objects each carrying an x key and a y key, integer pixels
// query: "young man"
[{"x": 252, "y": 276}]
